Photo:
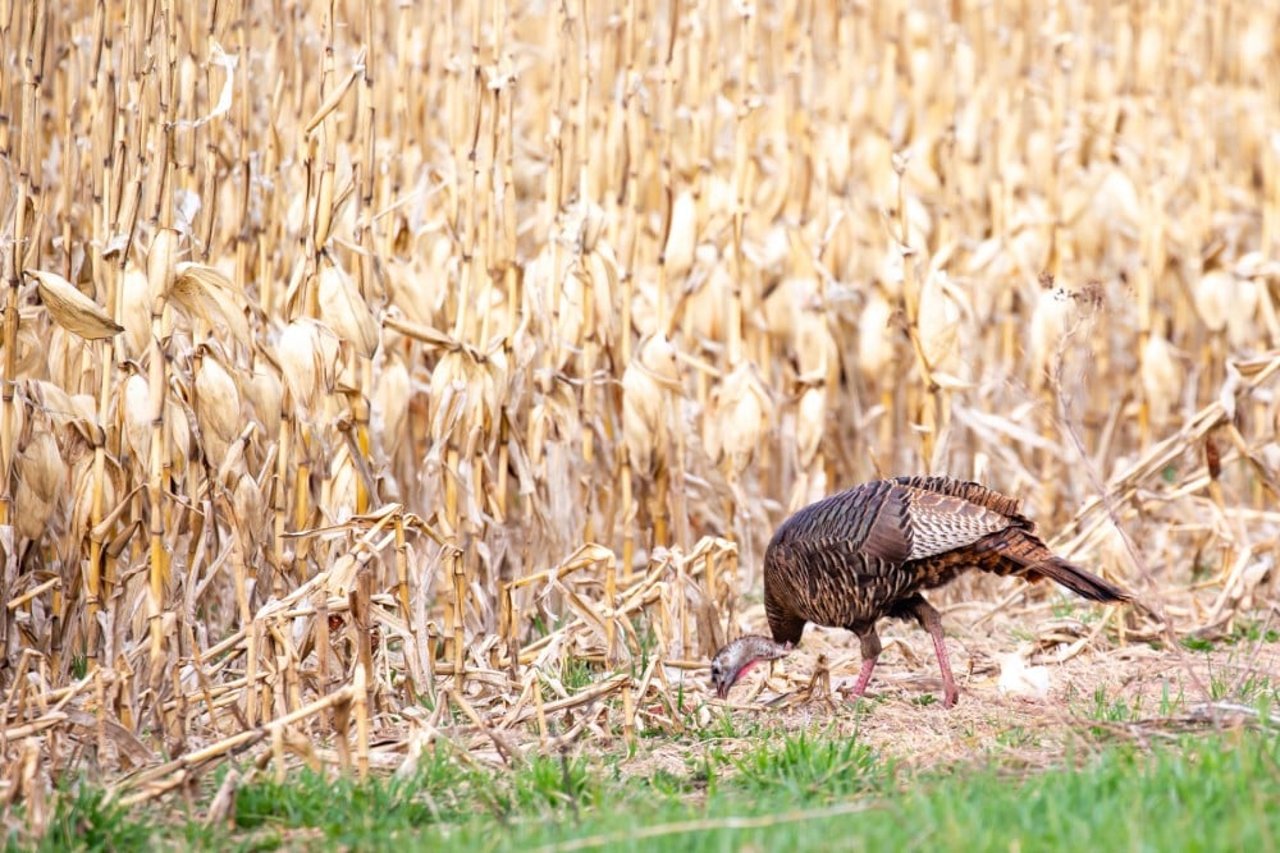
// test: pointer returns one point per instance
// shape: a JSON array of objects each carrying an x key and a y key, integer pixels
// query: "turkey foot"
[{"x": 931, "y": 621}]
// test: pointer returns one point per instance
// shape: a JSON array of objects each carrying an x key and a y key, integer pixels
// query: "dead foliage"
[{"x": 378, "y": 375}]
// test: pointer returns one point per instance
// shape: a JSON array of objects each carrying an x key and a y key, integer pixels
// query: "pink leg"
[
  {"x": 932, "y": 622},
  {"x": 863, "y": 677},
  {"x": 870, "y": 651}
]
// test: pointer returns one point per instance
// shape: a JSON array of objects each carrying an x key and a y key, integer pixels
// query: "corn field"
[{"x": 370, "y": 367}]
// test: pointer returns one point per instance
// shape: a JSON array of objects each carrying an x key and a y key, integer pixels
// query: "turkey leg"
[
  {"x": 870, "y": 651},
  {"x": 931, "y": 621}
]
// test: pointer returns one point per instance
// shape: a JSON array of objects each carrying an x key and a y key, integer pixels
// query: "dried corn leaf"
[
  {"x": 207, "y": 293},
  {"x": 73, "y": 310}
]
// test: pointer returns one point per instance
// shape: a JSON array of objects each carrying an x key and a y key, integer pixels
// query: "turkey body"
[{"x": 850, "y": 559}]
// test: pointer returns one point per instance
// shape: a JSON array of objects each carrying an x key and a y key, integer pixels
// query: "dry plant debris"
[{"x": 376, "y": 375}]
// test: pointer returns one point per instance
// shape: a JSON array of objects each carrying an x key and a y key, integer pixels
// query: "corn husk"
[
  {"x": 741, "y": 411},
  {"x": 41, "y": 483},
  {"x": 217, "y": 407},
  {"x": 811, "y": 421},
  {"x": 308, "y": 353},
  {"x": 875, "y": 337},
  {"x": 1161, "y": 376},
  {"x": 652, "y": 375},
  {"x": 71, "y": 309},
  {"x": 391, "y": 405},
  {"x": 344, "y": 311}
]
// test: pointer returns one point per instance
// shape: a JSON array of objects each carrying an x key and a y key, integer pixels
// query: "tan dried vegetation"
[{"x": 371, "y": 367}]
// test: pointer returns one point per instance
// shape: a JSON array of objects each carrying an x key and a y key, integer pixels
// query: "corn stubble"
[{"x": 363, "y": 362}]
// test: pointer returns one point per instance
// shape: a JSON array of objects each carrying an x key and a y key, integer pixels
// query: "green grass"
[
  {"x": 1241, "y": 632},
  {"x": 1198, "y": 644},
  {"x": 1115, "y": 710},
  {"x": 804, "y": 791}
]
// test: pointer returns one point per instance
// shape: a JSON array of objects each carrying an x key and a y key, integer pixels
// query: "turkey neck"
[{"x": 759, "y": 647}]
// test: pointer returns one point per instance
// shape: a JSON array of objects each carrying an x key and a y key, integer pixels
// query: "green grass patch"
[
  {"x": 803, "y": 791},
  {"x": 1197, "y": 644}
]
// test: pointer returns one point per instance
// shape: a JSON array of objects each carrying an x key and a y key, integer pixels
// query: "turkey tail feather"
[
  {"x": 1076, "y": 579},
  {"x": 1018, "y": 552}
]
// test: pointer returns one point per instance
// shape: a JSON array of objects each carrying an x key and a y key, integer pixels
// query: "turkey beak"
[{"x": 722, "y": 689}]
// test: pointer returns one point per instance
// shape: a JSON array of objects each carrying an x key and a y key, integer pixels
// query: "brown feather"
[
  {"x": 942, "y": 523},
  {"x": 851, "y": 558}
]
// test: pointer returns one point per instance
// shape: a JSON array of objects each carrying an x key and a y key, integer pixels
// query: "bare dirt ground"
[{"x": 1032, "y": 687}]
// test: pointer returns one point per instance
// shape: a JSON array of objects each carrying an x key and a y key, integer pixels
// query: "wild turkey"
[{"x": 849, "y": 559}]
